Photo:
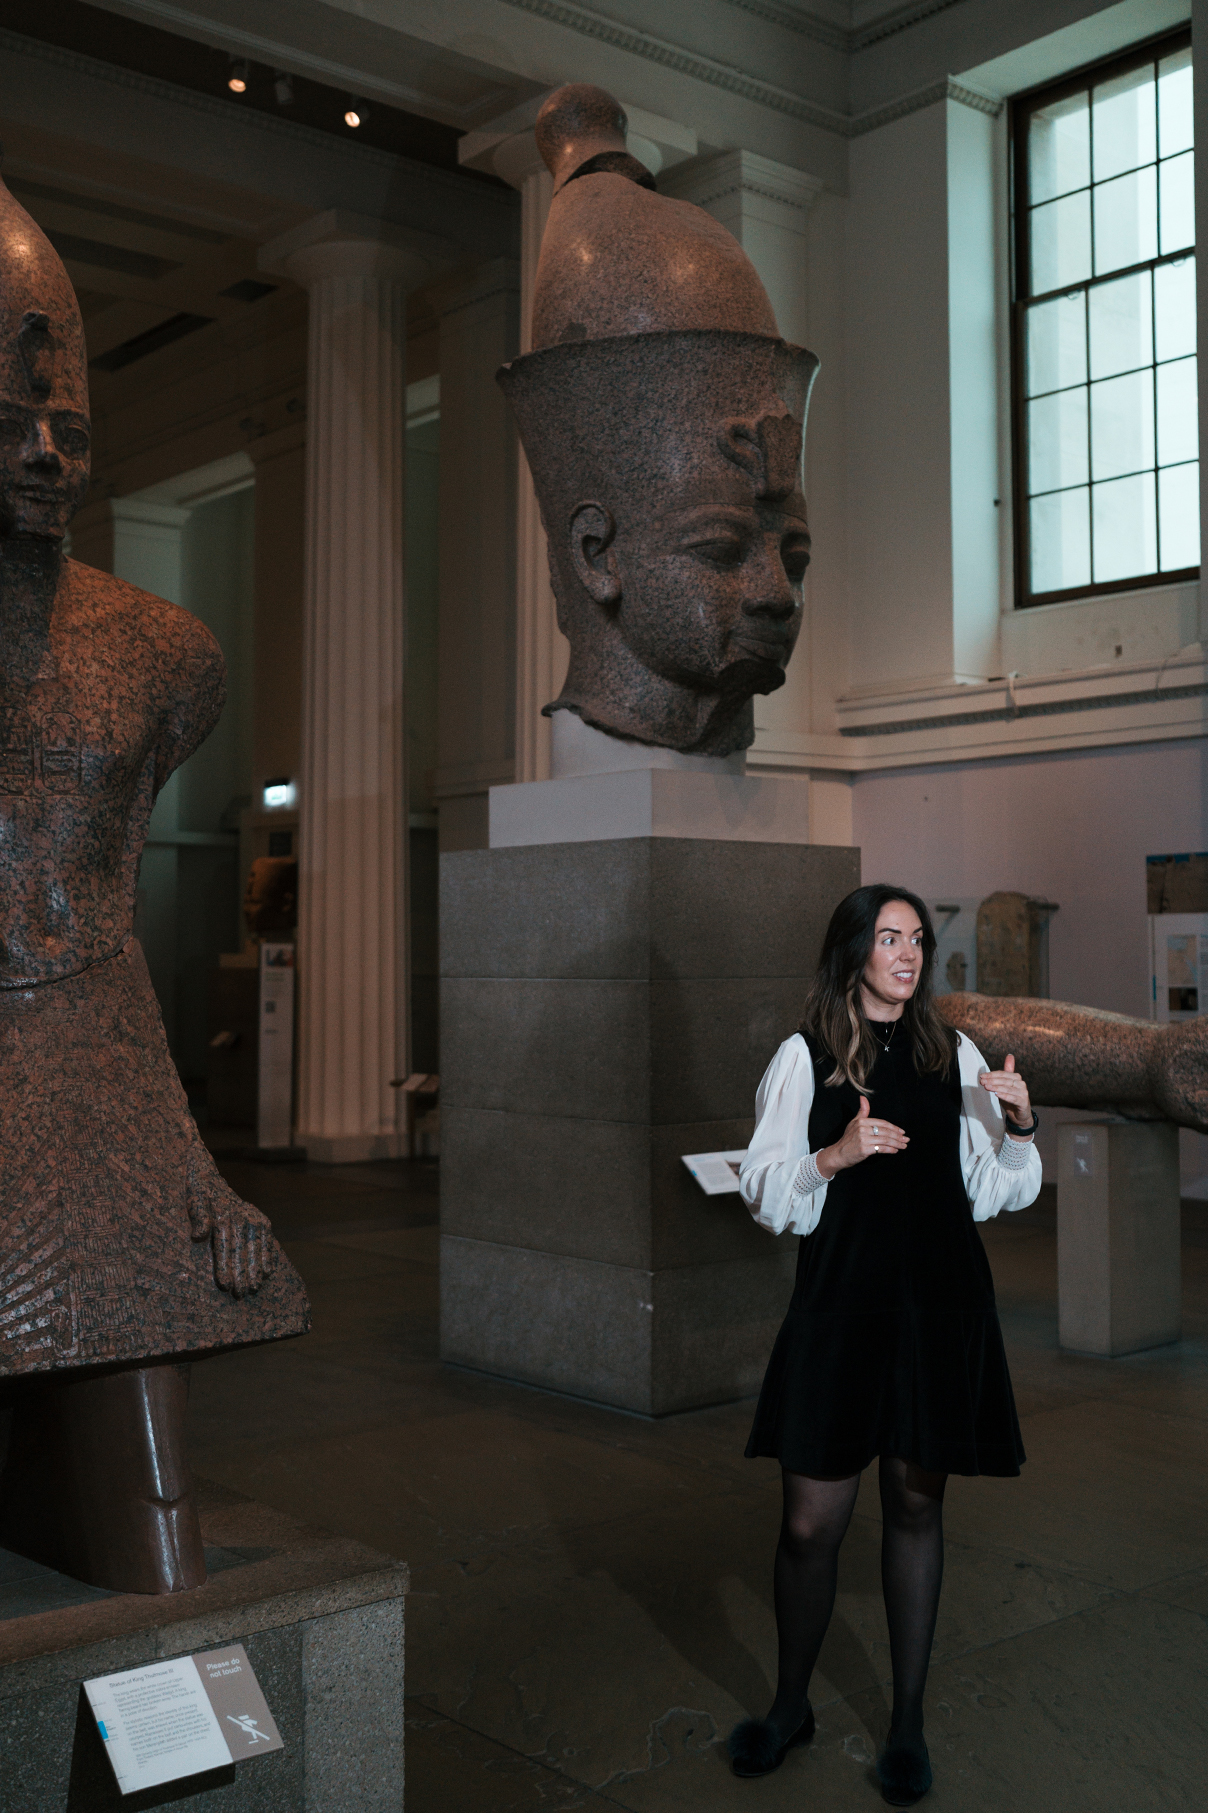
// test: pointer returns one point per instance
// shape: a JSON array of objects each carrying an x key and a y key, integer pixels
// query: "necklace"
[{"x": 876, "y": 1033}]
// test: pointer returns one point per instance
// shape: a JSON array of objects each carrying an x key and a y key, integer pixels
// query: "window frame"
[{"x": 1021, "y": 108}]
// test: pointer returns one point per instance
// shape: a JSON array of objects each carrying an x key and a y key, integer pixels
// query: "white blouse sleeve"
[
  {"x": 772, "y": 1174},
  {"x": 1000, "y": 1173}
]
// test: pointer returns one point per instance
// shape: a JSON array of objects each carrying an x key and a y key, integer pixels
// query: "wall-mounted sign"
[{"x": 168, "y": 1720}]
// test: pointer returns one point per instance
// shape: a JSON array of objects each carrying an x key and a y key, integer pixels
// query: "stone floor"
[{"x": 592, "y": 1592}]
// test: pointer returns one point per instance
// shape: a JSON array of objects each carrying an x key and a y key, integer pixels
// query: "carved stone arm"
[{"x": 1082, "y": 1057}]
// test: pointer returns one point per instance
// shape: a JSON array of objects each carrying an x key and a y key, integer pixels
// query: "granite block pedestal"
[
  {"x": 1119, "y": 1277},
  {"x": 606, "y": 1007},
  {"x": 321, "y": 1619}
]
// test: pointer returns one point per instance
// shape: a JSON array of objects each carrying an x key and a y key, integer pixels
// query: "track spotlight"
[
  {"x": 357, "y": 114},
  {"x": 237, "y": 80},
  {"x": 283, "y": 88}
]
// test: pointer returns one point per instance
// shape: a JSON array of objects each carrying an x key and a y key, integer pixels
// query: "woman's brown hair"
[{"x": 834, "y": 1013}]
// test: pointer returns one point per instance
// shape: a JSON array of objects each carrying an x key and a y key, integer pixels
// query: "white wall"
[{"x": 1074, "y": 828}]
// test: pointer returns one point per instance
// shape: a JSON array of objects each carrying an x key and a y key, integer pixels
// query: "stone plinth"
[
  {"x": 606, "y": 1007},
  {"x": 1118, "y": 1236},
  {"x": 321, "y": 1619}
]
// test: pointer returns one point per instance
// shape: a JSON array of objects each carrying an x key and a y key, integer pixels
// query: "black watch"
[{"x": 1022, "y": 1132}]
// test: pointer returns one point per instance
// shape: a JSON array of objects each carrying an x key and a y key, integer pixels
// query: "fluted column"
[
  {"x": 351, "y": 923},
  {"x": 541, "y": 649}
]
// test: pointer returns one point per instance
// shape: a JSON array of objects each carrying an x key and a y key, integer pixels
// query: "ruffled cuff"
[
  {"x": 809, "y": 1178},
  {"x": 1013, "y": 1153}
]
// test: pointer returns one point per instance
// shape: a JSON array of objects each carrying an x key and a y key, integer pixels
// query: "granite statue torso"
[{"x": 92, "y": 723}]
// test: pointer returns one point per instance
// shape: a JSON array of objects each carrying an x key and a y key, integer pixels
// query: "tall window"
[{"x": 1106, "y": 434}]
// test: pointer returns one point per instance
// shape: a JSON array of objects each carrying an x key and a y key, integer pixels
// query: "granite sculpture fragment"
[
  {"x": 1084, "y": 1057},
  {"x": 120, "y": 1244},
  {"x": 663, "y": 418}
]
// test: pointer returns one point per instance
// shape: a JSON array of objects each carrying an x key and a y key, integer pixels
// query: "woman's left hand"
[{"x": 1011, "y": 1090}]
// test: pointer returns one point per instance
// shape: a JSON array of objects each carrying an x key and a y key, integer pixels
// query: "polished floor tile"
[{"x": 591, "y": 1606}]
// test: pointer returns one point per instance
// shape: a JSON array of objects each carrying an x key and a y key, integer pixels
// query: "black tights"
[{"x": 816, "y": 1515}]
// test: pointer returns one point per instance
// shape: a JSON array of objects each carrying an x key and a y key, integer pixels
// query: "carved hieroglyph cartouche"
[
  {"x": 662, "y": 416},
  {"x": 119, "y": 1241}
]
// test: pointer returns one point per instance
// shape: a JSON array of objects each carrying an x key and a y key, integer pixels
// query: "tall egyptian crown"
[
  {"x": 656, "y": 354},
  {"x": 43, "y": 358}
]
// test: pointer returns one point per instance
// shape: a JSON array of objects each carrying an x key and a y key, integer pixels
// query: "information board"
[{"x": 170, "y": 1719}]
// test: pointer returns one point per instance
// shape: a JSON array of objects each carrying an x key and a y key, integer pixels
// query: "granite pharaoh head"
[
  {"x": 44, "y": 428},
  {"x": 662, "y": 416}
]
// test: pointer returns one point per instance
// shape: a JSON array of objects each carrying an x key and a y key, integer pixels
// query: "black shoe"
[
  {"x": 755, "y": 1747},
  {"x": 904, "y": 1772}
]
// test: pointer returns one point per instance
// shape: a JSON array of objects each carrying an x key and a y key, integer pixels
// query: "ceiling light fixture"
[
  {"x": 283, "y": 88},
  {"x": 237, "y": 80},
  {"x": 356, "y": 115}
]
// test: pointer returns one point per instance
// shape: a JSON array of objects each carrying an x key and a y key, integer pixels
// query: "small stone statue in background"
[
  {"x": 662, "y": 416},
  {"x": 122, "y": 1251}
]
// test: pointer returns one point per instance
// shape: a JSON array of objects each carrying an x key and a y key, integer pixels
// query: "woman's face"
[{"x": 895, "y": 964}]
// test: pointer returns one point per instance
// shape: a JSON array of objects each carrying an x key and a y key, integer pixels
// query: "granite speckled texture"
[
  {"x": 667, "y": 467},
  {"x": 662, "y": 416},
  {"x": 1083, "y": 1057},
  {"x": 321, "y": 1618},
  {"x": 119, "y": 1241}
]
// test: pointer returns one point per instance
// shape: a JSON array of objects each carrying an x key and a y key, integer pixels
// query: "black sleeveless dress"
[{"x": 891, "y": 1345}]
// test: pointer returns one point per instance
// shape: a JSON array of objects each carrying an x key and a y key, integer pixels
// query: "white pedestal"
[{"x": 1119, "y": 1277}]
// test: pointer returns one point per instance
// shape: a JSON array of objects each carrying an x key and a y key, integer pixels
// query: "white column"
[
  {"x": 542, "y": 651},
  {"x": 351, "y": 922}
]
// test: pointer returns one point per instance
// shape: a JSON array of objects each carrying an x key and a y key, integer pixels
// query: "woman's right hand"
[{"x": 865, "y": 1136}]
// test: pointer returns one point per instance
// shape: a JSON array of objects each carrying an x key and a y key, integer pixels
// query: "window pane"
[
  {"x": 1059, "y": 148},
  {"x": 1061, "y": 243},
  {"x": 1057, "y": 344},
  {"x": 1121, "y": 325},
  {"x": 1174, "y": 103},
  {"x": 1178, "y": 203},
  {"x": 1126, "y": 528},
  {"x": 1057, "y": 441},
  {"x": 1122, "y": 425},
  {"x": 1125, "y": 123},
  {"x": 1174, "y": 308},
  {"x": 1061, "y": 542},
  {"x": 1126, "y": 220},
  {"x": 1179, "y": 502},
  {"x": 1178, "y": 413}
]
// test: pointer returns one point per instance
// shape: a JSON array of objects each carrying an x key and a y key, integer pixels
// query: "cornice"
[
  {"x": 744, "y": 173},
  {"x": 558, "y": 12},
  {"x": 901, "y": 19},
  {"x": 230, "y": 113},
  {"x": 687, "y": 63},
  {"x": 923, "y": 97}
]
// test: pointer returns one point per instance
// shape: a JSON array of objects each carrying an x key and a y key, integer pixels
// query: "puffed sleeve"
[
  {"x": 769, "y": 1179},
  {"x": 1000, "y": 1173}
]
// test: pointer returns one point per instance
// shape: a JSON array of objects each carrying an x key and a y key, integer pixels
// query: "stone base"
[
  {"x": 607, "y": 1007},
  {"x": 1119, "y": 1260},
  {"x": 350, "y": 1148},
  {"x": 651, "y": 802},
  {"x": 652, "y": 1342},
  {"x": 321, "y": 1619}
]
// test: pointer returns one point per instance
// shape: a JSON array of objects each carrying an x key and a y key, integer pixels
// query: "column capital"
[
  {"x": 339, "y": 243},
  {"x": 711, "y": 180}
]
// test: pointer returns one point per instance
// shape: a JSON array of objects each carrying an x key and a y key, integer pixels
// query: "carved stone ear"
[
  {"x": 37, "y": 351},
  {"x": 592, "y": 530}
]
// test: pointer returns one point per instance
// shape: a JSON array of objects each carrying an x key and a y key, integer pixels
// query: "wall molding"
[
  {"x": 1095, "y": 708},
  {"x": 592, "y": 25},
  {"x": 838, "y": 37}
]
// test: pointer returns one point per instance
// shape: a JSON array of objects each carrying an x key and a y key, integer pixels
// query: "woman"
[{"x": 891, "y": 1347}]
